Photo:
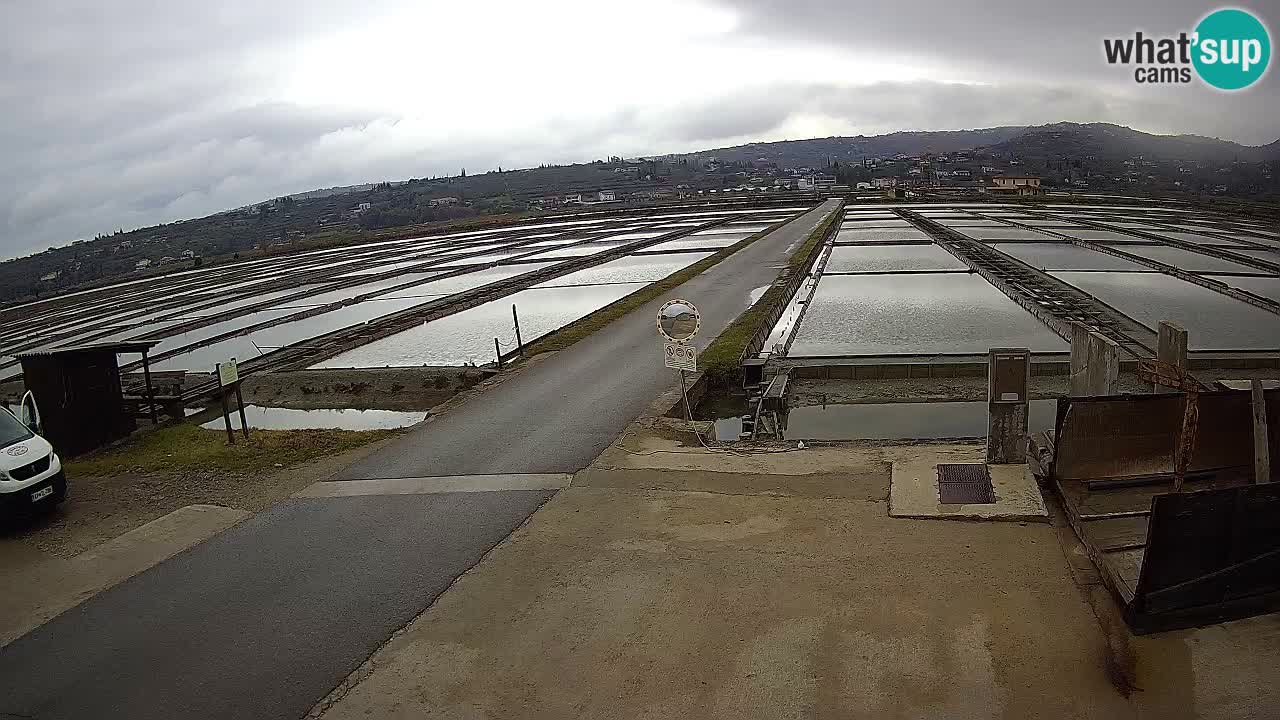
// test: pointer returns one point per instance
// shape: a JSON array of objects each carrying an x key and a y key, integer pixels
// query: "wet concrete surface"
[{"x": 262, "y": 620}]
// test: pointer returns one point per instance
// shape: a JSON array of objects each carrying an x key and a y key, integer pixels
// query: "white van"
[{"x": 31, "y": 477}]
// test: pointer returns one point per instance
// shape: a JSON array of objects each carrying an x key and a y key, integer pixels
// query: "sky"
[{"x": 129, "y": 113}]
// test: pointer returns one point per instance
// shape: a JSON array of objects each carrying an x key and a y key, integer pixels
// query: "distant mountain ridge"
[{"x": 1101, "y": 139}]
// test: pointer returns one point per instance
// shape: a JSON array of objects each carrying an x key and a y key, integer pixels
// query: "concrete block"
[
  {"x": 895, "y": 372},
  {"x": 913, "y": 491}
]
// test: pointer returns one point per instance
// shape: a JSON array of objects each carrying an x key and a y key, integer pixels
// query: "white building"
[{"x": 1014, "y": 185}]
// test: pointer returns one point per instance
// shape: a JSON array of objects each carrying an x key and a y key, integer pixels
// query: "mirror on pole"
[{"x": 678, "y": 320}]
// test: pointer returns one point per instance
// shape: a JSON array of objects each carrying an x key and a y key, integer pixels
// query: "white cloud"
[{"x": 141, "y": 111}]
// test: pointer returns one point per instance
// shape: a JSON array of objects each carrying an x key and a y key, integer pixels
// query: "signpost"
[
  {"x": 678, "y": 322},
  {"x": 229, "y": 381},
  {"x": 680, "y": 356}
]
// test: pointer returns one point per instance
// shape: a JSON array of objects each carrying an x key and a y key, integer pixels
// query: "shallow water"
[
  {"x": 467, "y": 336},
  {"x": 1213, "y": 320},
  {"x": 891, "y": 258},
  {"x": 943, "y": 313},
  {"x": 900, "y": 421},
  {"x": 276, "y": 418}
]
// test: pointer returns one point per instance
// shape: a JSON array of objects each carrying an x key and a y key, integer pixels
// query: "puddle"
[
  {"x": 900, "y": 421},
  {"x": 275, "y": 418}
]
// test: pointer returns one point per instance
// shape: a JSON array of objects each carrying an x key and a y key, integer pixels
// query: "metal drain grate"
[{"x": 965, "y": 484}]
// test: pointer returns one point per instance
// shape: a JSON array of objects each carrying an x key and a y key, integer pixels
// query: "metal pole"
[
  {"x": 244, "y": 424},
  {"x": 151, "y": 394},
  {"x": 226, "y": 416},
  {"x": 516, "y": 318},
  {"x": 688, "y": 414},
  {"x": 497, "y": 351}
]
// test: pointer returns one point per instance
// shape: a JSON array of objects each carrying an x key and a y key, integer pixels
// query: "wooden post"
[
  {"x": 1103, "y": 371},
  {"x": 1261, "y": 448},
  {"x": 244, "y": 424},
  {"x": 226, "y": 416},
  {"x": 1079, "y": 386},
  {"x": 497, "y": 351},
  {"x": 1171, "y": 348},
  {"x": 516, "y": 318},
  {"x": 1187, "y": 438},
  {"x": 151, "y": 394}
]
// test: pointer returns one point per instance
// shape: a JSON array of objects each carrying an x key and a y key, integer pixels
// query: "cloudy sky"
[{"x": 133, "y": 112}]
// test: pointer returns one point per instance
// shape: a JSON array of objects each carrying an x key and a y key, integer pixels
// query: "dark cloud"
[{"x": 135, "y": 112}]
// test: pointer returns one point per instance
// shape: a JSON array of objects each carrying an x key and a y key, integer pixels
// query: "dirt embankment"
[{"x": 364, "y": 389}]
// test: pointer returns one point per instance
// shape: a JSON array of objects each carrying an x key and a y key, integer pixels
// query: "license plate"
[{"x": 41, "y": 494}]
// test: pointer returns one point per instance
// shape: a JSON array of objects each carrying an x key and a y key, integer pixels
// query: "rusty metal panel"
[
  {"x": 1210, "y": 555},
  {"x": 1135, "y": 436},
  {"x": 965, "y": 484}
]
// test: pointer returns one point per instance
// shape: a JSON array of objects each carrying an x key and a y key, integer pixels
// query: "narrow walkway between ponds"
[{"x": 266, "y": 618}]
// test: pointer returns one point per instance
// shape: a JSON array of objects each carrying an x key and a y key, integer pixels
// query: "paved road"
[
  {"x": 263, "y": 620},
  {"x": 560, "y": 414}
]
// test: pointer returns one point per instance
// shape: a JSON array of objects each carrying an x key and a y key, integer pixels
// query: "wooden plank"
[
  {"x": 1116, "y": 533},
  {"x": 1261, "y": 442},
  {"x": 1171, "y": 346}
]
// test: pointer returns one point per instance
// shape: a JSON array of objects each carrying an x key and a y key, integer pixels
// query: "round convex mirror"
[{"x": 678, "y": 320}]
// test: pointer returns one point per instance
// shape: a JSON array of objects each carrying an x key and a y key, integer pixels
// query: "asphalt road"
[
  {"x": 558, "y": 415},
  {"x": 262, "y": 620},
  {"x": 265, "y": 619}
]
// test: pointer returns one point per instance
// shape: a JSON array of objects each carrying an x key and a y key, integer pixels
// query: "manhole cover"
[{"x": 965, "y": 484}]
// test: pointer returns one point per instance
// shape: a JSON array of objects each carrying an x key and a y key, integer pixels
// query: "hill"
[{"x": 1096, "y": 156}]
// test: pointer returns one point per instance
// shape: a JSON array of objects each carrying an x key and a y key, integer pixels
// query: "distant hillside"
[
  {"x": 1116, "y": 142},
  {"x": 1097, "y": 156},
  {"x": 818, "y": 152}
]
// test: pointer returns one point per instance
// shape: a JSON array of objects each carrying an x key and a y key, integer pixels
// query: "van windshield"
[{"x": 11, "y": 430}]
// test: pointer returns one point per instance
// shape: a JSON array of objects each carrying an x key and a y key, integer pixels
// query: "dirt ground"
[
  {"x": 365, "y": 389},
  {"x": 98, "y": 509},
  {"x": 672, "y": 594}
]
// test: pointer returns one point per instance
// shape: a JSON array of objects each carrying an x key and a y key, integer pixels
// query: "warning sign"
[{"x": 680, "y": 356}]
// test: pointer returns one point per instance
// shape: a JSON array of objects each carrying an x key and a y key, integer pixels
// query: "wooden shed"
[{"x": 78, "y": 392}]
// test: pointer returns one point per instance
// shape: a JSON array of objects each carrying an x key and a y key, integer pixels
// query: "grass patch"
[
  {"x": 573, "y": 332},
  {"x": 187, "y": 447},
  {"x": 719, "y": 362}
]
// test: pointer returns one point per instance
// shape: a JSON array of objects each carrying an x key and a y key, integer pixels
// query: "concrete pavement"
[{"x": 740, "y": 596}]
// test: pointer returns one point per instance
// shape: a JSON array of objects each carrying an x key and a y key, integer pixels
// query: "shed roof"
[{"x": 135, "y": 346}]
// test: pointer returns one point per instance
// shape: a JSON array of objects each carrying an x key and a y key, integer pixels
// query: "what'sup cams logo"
[{"x": 1229, "y": 49}]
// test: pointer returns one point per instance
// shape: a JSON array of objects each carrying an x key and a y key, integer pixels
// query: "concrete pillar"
[
  {"x": 1103, "y": 372},
  {"x": 1008, "y": 391},
  {"x": 1171, "y": 348},
  {"x": 1079, "y": 360}
]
